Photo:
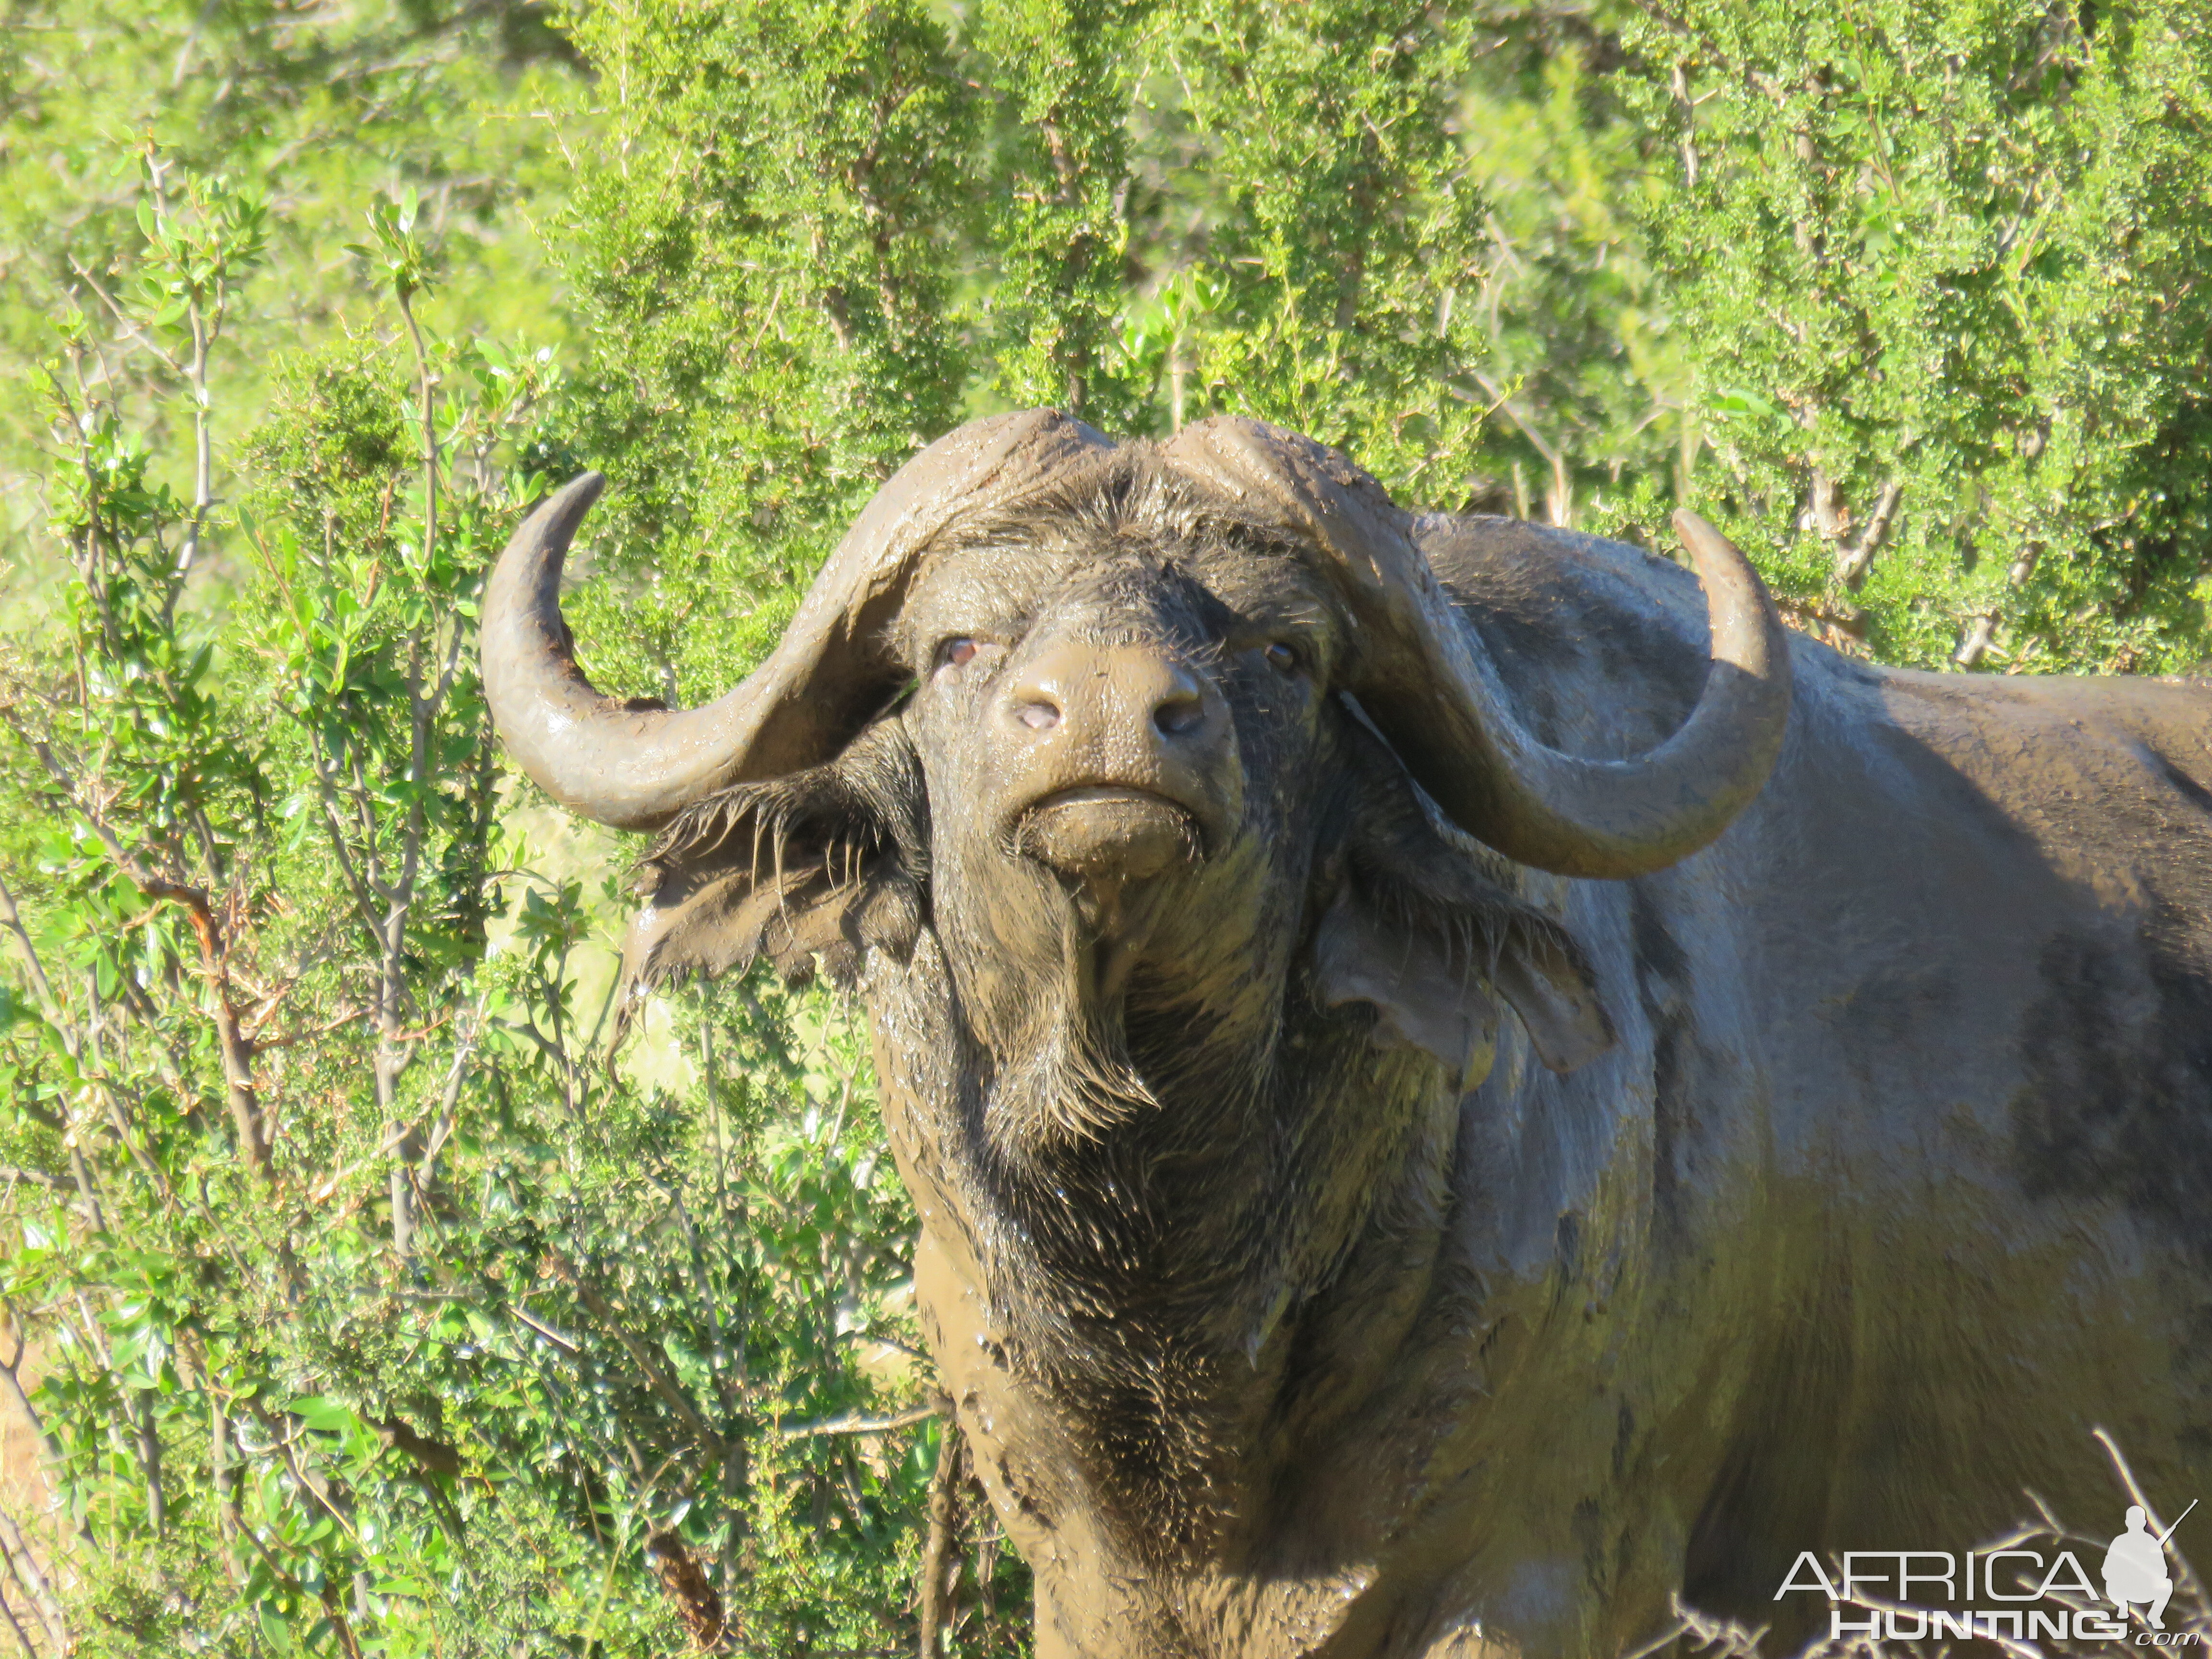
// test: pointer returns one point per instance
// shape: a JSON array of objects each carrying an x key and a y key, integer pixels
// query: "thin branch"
[
  {"x": 1854, "y": 561},
  {"x": 49, "y": 1448},
  {"x": 428, "y": 383},
  {"x": 1559, "y": 498},
  {"x": 13, "y": 923},
  {"x": 237, "y": 1054},
  {"x": 204, "y": 329},
  {"x": 363, "y": 896},
  {"x": 2191, "y": 1588},
  {"x": 1680, "y": 85},
  {"x": 602, "y": 1310},
  {"x": 131, "y": 331},
  {"x": 293, "y": 1039},
  {"x": 148, "y": 1432},
  {"x": 391, "y": 1057},
  {"x": 397, "y": 1135},
  {"x": 53, "y": 1183},
  {"x": 304, "y": 1472},
  {"x": 892, "y": 1342},
  {"x": 441, "y": 1126},
  {"x": 566, "y": 1344},
  {"x": 940, "y": 1560},
  {"x": 13, "y": 1623},
  {"x": 1983, "y": 633},
  {"x": 861, "y": 1423},
  {"x": 25, "y": 1566}
]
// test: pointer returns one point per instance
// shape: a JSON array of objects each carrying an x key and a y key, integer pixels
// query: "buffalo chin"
[{"x": 1109, "y": 835}]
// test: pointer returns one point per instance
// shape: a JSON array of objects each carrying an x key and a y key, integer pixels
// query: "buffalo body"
[{"x": 1340, "y": 1237}]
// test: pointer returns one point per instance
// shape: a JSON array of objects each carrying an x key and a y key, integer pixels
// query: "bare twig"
[
  {"x": 565, "y": 1343},
  {"x": 22, "y": 1640},
  {"x": 13, "y": 923},
  {"x": 293, "y": 1039},
  {"x": 1983, "y": 633},
  {"x": 2185, "y": 1579},
  {"x": 861, "y": 1423},
  {"x": 441, "y": 1126},
  {"x": 123, "y": 319},
  {"x": 1560, "y": 497},
  {"x": 53, "y": 1183},
  {"x": 25, "y": 1566},
  {"x": 205, "y": 328},
  {"x": 1854, "y": 561},
  {"x": 11, "y": 1380},
  {"x": 1707, "y": 1634},
  {"x": 1679, "y": 84}
]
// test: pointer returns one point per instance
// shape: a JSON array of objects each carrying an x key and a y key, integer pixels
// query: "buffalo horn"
[
  {"x": 634, "y": 765},
  {"x": 1422, "y": 675}
]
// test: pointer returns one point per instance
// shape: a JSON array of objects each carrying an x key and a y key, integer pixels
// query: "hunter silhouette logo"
[{"x": 2135, "y": 1566}]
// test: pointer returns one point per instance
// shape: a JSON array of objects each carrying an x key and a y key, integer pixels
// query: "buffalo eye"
[
  {"x": 956, "y": 653},
  {"x": 1284, "y": 658}
]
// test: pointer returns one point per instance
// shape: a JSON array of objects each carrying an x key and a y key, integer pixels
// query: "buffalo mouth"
[{"x": 1110, "y": 832}]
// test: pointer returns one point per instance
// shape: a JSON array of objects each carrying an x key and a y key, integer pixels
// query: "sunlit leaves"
[
  {"x": 400, "y": 262},
  {"x": 1954, "y": 249}
]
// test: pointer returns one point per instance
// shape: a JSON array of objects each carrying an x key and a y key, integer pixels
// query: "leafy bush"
[
  {"x": 1940, "y": 268},
  {"x": 372, "y": 1313}
]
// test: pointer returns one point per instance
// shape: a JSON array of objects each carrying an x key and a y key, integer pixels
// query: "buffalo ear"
[
  {"x": 1421, "y": 998},
  {"x": 1542, "y": 972},
  {"x": 695, "y": 922},
  {"x": 813, "y": 869},
  {"x": 1422, "y": 929},
  {"x": 1433, "y": 960}
]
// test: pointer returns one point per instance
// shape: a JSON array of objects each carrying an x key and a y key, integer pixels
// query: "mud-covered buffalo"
[{"x": 1455, "y": 1089}]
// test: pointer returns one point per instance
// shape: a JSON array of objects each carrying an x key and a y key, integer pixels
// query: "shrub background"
[{"x": 354, "y": 1307}]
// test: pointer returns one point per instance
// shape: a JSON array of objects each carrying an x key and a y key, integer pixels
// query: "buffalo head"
[{"x": 1136, "y": 719}]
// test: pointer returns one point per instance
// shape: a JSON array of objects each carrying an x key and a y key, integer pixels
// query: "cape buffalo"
[{"x": 1189, "y": 817}]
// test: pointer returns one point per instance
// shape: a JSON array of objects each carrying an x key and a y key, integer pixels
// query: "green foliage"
[
  {"x": 820, "y": 238},
  {"x": 768, "y": 239},
  {"x": 1583, "y": 363},
  {"x": 370, "y": 1312},
  {"x": 1347, "y": 227},
  {"x": 318, "y": 110},
  {"x": 1060, "y": 75},
  {"x": 1952, "y": 251}
]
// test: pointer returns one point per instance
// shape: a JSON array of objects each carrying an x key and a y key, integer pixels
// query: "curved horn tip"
[
  {"x": 1691, "y": 527},
  {"x": 1703, "y": 541},
  {"x": 560, "y": 513}
]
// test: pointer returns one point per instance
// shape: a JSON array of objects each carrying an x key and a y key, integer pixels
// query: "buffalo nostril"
[
  {"x": 1180, "y": 714},
  {"x": 1037, "y": 715}
]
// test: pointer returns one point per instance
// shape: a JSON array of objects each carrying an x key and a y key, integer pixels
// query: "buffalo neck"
[{"x": 1159, "y": 1193}]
